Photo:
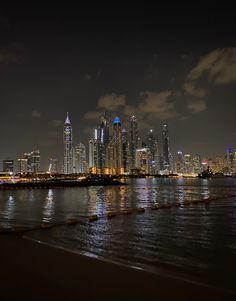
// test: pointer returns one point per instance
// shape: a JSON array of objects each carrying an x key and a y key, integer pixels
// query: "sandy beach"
[{"x": 33, "y": 271}]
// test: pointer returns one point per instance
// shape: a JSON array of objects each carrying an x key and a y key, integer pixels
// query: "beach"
[{"x": 34, "y": 271}]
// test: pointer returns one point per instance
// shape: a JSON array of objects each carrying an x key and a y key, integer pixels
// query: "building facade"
[
  {"x": 68, "y": 152},
  {"x": 133, "y": 143},
  {"x": 166, "y": 148},
  {"x": 8, "y": 165}
]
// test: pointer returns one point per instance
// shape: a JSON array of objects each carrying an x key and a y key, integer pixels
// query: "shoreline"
[
  {"x": 39, "y": 271},
  {"x": 163, "y": 270}
]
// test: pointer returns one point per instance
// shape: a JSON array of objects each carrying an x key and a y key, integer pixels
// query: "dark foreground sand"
[{"x": 31, "y": 271}]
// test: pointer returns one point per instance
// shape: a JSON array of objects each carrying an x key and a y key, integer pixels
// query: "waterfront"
[{"x": 195, "y": 243}]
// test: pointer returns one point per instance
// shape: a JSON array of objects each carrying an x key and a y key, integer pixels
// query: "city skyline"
[
  {"x": 176, "y": 67},
  {"x": 114, "y": 149}
]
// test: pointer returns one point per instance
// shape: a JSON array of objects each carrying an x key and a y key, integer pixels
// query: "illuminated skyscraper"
[
  {"x": 179, "y": 163},
  {"x": 153, "y": 153},
  {"x": 188, "y": 166},
  {"x": 102, "y": 142},
  {"x": 117, "y": 147},
  {"x": 141, "y": 160},
  {"x": 52, "y": 168},
  {"x": 29, "y": 163},
  {"x": 22, "y": 166},
  {"x": 230, "y": 158},
  {"x": 67, "y": 139},
  {"x": 133, "y": 140},
  {"x": 8, "y": 165},
  {"x": 34, "y": 161},
  {"x": 80, "y": 155},
  {"x": 166, "y": 148},
  {"x": 93, "y": 154},
  {"x": 125, "y": 149},
  {"x": 197, "y": 164},
  {"x": 114, "y": 155}
]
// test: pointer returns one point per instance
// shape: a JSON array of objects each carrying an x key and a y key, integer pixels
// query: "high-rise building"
[
  {"x": 125, "y": 148},
  {"x": 141, "y": 160},
  {"x": 220, "y": 165},
  {"x": 27, "y": 157},
  {"x": 93, "y": 154},
  {"x": 133, "y": 143},
  {"x": 34, "y": 161},
  {"x": 153, "y": 153},
  {"x": 103, "y": 136},
  {"x": 8, "y": 165},
  {"x": 179, "y": 163},
  {"x": 68, "y": 153},
  {"x": 230, "y": 158},
  {"x": 114, "y": 156},
  {"x": 117, "y": 147},
  {"x": 80, "y": 154},
  {"x": 166, "y": 148},
  {"x": 22, "y": 166},
  {"x": 197, "y": 164},
  {"x": 29, "y": 163},
  {"x": 52, "y": 168},
  {"x": 188, "y": 166}
]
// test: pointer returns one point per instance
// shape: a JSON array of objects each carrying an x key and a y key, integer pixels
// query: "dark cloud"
[{"x": 219, "y": 66}]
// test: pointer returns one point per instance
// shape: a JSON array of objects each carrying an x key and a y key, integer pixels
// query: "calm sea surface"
[{"x": 195, "y": 242}]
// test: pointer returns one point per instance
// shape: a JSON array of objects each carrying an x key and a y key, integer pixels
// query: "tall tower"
[
  {"x": 125, "y": 149},
  {"x": 67, "y": 139},
  {"x": 93, "y": 153},
  {"x": 153, "y": 153},
  {"x": 133, "y": 140},
  {"x": 179, "y": 163},
  {"x": 118, "y": 166},
  {"x": 80, "y": 155},
  {"x": 166, "y": 148},
  {"x": 197, "y": 168},
  {"x": 102, "y": 141}
]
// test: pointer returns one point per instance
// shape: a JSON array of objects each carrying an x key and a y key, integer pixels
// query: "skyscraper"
[
  {"x": 125, "y": 149},
  {"x": 153, "y": 153},
  {"x": 141, "y": 160},
  {"x": 93, "y": 154},
  {"x": 114, "y": 156},
  {"x": 117, "y": 147},
  {"x": 166, "y": 148},
  {"x": 67, "y": 139},
  {"x": 188, "y": 166},
  {"x": 102, "y": 141},
  {"x": 22, "y": 166},
  {"x": 8, "y": 165},
  {"x": 80, "y": 154},
  {"x": 29, "y": 163},
  {"x": 133, "y": 140},
  {"x": 34, "y": 161},
  {"x": 230, "y": 158},
  {"x": 52, "y": 168},
  {"x": 197, "y": 164},
  {"x": 179, "y": 163}
]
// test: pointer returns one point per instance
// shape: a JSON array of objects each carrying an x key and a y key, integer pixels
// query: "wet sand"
[{"x": 32, "y": 271}]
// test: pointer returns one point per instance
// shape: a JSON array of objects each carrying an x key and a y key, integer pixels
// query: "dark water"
[{"x": 196, "y": 242}]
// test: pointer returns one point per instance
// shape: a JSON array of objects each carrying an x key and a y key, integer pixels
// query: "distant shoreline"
[{"x": 59, "y": 184}]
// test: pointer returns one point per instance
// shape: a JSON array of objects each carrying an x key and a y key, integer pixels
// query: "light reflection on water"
[
  {"x": 199, "y": 239},
  {"x": 48, "y": 210}
]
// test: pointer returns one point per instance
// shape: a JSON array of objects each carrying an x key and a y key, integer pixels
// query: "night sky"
[{"x": 161, "y": 63}]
